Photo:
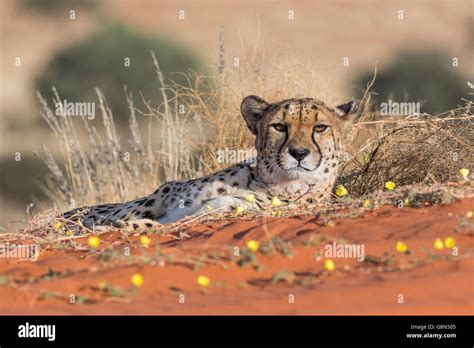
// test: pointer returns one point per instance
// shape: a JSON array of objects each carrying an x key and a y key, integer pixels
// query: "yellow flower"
[
  {"x": 438, "y": 244},
  {"x": 366, "y": 203},
  {"x": 329, "y": 265},
  {"x": 277, "y": 213},
  {"x": 94, "y": 241},
  {"x": 450, "y": 242},
  {"x": 239, "y": 210},
  {"x": 209, "y": 208},
  {"x": 203, "y": 281},
  {"x": 464, "y": 172},
  {"x": 145, "y": 241},
  {"x": 250, "y": 197},
  {"x": 401, "y": 247},
  {"x": 390, "y": 185},
  {"x": 366, "y": 158},
  {"x": 276, "y": 202},
  {"x": 102, "y": 285},
  {"x": 137, "y": 280},
  {"x": 341, "y": 191},
  {"x": 253, "y": 245},
  {"x": 469, "y": 214},
  {"x": 68, "y": 232},
  {"x": 57, "y": 225}
]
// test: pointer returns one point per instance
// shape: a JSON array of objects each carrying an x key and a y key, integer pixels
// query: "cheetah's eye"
[
  {"x": 320, "y": 128},
  {"x": 280, "y": 127}
]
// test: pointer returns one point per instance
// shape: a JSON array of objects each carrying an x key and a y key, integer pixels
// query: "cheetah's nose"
[{"x": 299, "y": 154}]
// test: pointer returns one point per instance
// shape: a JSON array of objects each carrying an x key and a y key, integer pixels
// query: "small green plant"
[
  {"x": 279, "y": 245},
  {"x": 111, "y": 290},
  {"x": 48, "y": 295},
  {"x": 466, "y": 223},
  {"x": 108, "y": 255},
  {"x": 283, "y": 275},
  {"x": 4, "y": 279},
  {"x": 247, "y": 258}
]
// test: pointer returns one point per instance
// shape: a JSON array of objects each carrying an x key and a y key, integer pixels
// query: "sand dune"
[{"x": 436, "y": 284}]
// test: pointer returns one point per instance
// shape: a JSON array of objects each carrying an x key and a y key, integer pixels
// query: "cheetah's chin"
[
  {"x": 298, "y": 172},
  {"x": 299, "y": 169}
]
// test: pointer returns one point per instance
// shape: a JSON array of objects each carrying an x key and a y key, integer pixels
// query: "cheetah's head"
[{"x": 298, "y": 139}]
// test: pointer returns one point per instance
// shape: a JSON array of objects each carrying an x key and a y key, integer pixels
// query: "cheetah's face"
[{"x": 297, "y": 138}]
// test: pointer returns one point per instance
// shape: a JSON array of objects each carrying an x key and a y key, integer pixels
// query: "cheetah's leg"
[
  {"x": 103, "y": 228},
  {"x": 137, "y": 225}
]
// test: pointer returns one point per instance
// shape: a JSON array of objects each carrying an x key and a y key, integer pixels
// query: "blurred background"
[{"x": 424, "y": 51}]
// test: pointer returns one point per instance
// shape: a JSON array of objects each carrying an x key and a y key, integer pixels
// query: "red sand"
[{"x": 443, "y": 286}]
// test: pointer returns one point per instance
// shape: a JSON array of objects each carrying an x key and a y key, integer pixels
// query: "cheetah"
[{"x": 299, "y": 143}]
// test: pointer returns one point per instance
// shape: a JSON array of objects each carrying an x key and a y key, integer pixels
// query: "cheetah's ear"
[
  {"x": 348, "y": 110},
  {"x": 253, "y": 108}
]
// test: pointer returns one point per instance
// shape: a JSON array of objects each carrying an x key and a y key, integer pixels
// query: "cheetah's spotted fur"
[{"x": 299, "y": 143}]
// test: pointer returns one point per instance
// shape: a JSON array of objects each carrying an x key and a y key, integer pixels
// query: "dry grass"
[
  {"x": 422, "y": 150},
  {"x": 41, "y": 229},
  {"x": 181, "y": 138}
]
